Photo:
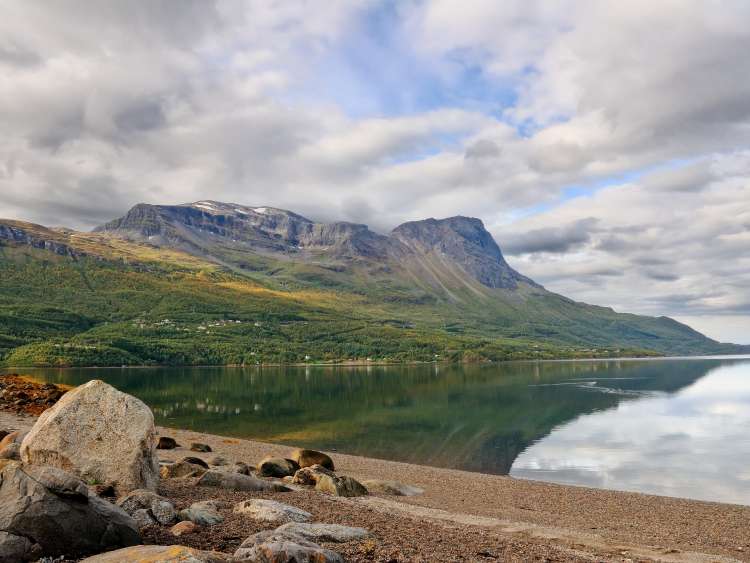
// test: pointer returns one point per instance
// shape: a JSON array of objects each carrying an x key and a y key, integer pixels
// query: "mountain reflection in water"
[{"x": 624, "y": 424}]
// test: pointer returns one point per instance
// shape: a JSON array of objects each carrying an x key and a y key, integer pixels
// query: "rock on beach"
[{"x": 99, "y": 433}]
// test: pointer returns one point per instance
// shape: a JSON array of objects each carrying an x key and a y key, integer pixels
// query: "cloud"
[
  {"x": 551, "y": 239},
  {"x": 383, "y": 113}
]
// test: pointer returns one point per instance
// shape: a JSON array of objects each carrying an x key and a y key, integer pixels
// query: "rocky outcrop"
[
  {"x": 308, "y": 458},
  {"x": 159, "y": 554},
  {"x": 271, "y": 511},
  {"x": 45, "y": 511},
  {"x": 283, "y": 547},
  {"x": 99, "y": 433}
]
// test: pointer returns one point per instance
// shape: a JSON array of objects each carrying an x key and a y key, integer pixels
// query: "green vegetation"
[{"x": 108, "y": 302}]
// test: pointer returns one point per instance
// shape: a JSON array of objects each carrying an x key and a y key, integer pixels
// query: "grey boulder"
[
  {"x": 45, "y": 511},
  {"x": 324, "y": 532}
]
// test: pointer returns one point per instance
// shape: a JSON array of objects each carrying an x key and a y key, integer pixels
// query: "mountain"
[{"x": 212, "y": 282}]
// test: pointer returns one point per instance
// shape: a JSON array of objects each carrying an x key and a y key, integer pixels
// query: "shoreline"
[
  {"x": 8, "y": 368},
  {"x": 562, "y": 522}
]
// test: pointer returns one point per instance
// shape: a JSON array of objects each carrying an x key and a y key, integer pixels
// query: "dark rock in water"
[
  {"x": 160, "y": 554},
  {"x": 3, "y": 434},
  {"x": 284, "y": 547},
  {"x": 328, "y": 482},
  {"x": 166, "y": 443},
  {"x": 194, "y": 461},
  {"x": 277, "y": 467},
  {"x": 45, "y": 511},
  {"x": 198, "y": 447},
  {"x": 308, "y": 458},
  {"x": 238, "y": 482}
]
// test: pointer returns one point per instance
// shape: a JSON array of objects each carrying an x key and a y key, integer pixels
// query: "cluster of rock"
[
  {"x": 25, "y": 397},
  {"x": 97, "y": 441}
]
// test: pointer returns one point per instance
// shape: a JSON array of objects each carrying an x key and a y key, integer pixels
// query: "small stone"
[
  {"x": 204, "y": 513},
  {"x": 198, "y": 447},
  {"x": 277, "y": 467},
  {"x": 324, "y": 532},
  {"x": 271, "y": 511},
  {"x": 308, "y": 458},
  {"x": 166, "y": 443},
  {"x": 218, "y": 460},
  {"x": 183, "y": 528}
]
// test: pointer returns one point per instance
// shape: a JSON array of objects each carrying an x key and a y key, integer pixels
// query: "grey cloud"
[
  {"x": 551, "y": 239},
  {"x": 661, "y": 276},
  {"x": 482, "y": 149}
]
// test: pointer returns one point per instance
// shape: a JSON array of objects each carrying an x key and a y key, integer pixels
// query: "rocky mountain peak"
[{"x": 465, "y": 241}]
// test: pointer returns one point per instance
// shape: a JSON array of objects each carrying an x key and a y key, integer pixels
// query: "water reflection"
[
  {"x": 693, "y": 443},
  {"x": 641, "y": 425}
]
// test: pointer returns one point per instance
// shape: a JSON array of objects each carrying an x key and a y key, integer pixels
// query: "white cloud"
[{"x": 106, "y": 105}]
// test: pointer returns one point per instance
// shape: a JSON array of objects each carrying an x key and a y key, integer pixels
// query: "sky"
[{"x": 605, "y": 144}]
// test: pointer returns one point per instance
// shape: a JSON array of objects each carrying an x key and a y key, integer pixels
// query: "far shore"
[{"x": 10, "y": 368}]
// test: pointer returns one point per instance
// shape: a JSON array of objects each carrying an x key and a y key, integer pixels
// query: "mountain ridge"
[{"x": 146, "y": 287}]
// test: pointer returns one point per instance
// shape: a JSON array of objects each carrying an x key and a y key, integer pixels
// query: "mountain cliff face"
[
  {"x": 439, "y": 252},
  {"x": 213, "y": 282}
]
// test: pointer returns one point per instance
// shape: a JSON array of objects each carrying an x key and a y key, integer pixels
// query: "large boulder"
[
  {"x": 328, "y": 482},
  {"x": 238, "y": 482},
  {"x": 273, "y": 546},
  {"x": 308, "y": 458},
  {"x": 99, "y": 433},
  {"x": 277, "y": 467},
  {"x": 159, "y": 554},
  {"x": 45, "y": 511},
  {"x": 271, "y": 511}
]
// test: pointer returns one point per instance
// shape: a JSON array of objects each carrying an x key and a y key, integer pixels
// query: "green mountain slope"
[{"x": 69, "y": 298}]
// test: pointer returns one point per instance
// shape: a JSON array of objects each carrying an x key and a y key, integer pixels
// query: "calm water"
[{"x": 673, "y": 427}]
